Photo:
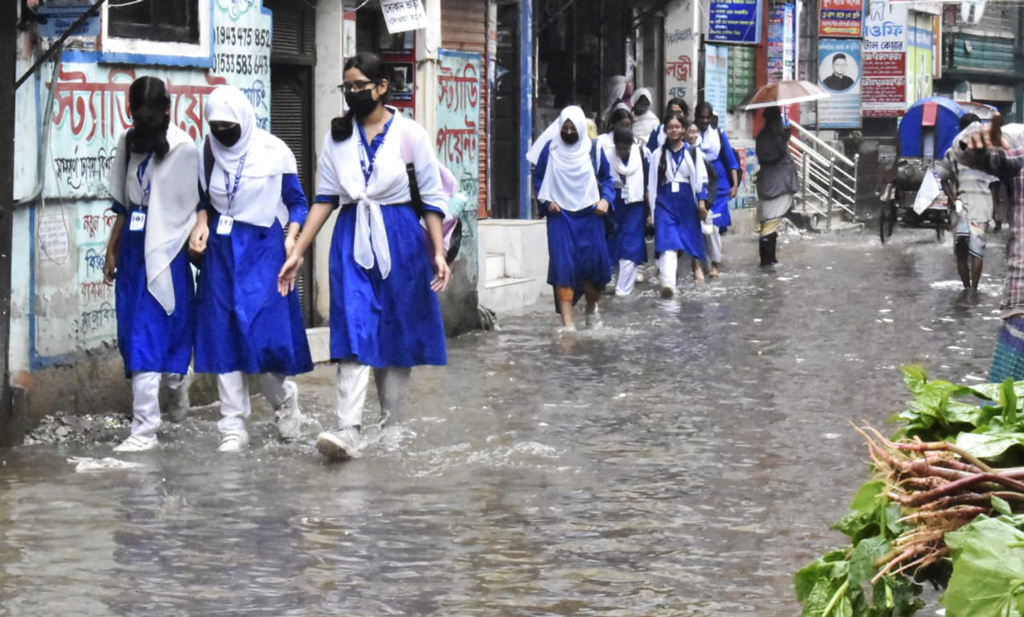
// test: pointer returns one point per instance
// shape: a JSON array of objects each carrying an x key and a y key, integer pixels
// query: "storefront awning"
[{"x": 992, "y": 92}]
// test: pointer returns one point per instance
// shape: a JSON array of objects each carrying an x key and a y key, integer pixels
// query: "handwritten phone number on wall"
[
  {"x": 243, "y": 64},
  {"x": 239, "y": 35}
]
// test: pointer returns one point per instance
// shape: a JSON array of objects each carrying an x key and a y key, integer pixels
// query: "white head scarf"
[
  {"x": 569, "y": 179},
  {"x": 632, "y": 172},
  {"x": 710, "y": 143},
  {"x": 256, "y": 162},
  {"x": 645, "y": 123},
  {"x": 171, "y": 209}
]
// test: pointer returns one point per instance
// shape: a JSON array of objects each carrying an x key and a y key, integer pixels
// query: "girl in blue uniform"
[
  {"x": 627, "y": 245},
  {"x": 154, "y": 183},
  {"x": 574, "y": 189},
  {"x": 677, "y": 194},
  {"x": 384, "y": 272},
  {"x": 718, "y": 152},
  {"x": 674, "y": 105},
  {"x": 244, "y": 328}
]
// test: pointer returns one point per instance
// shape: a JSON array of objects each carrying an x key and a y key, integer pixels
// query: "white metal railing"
[{"x": 827, "y": 177}]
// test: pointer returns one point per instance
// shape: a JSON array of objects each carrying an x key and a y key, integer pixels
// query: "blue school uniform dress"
[
  {"x": 577, "y": 243},
  {"x": 383, "y": 319},
  {"x": 150, "y": 338},
  {"x": 676, "y": 217},
  {"x": 627, "y": 240},
  {"x": 718, "y": 152},
  {"x": 244, "y": 324}
]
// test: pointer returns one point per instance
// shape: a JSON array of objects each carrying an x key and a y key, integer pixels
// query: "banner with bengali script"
[
  {"x": 840, "y": 18},
  {"x": 885, "y": 59},
  {"x": 459, "y": 90},
  {"x": 839, "y": 74}
]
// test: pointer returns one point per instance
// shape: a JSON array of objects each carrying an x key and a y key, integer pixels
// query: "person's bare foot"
[{"x": 713, "y": 272}]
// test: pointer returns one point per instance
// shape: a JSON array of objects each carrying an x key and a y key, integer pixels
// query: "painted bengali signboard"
[
  {"x": 736, "y": 21},
  {"x": 458, "y": 131},
  {"x": 90, "y": 113},
  {"x": 884, "y": 87},
  {"x": 840, "y": 18},
  {"x": 839, "y": 74},
  {"x": 91, "y": 101},
  {"x": 884, "y": 59}
]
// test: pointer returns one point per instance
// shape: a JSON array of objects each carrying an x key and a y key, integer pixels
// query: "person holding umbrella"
[{"x": 776, "y": 182}]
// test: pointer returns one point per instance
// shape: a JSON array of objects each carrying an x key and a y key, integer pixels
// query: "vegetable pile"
[{"x": 946, "y": 507}]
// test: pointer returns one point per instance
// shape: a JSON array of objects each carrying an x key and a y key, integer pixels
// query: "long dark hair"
[
  {"x": 680, "y": 102},
  {"x": 618, "y": 114},
  {"x": 699, "y": 109},
  {"x": 664, "y": 147},
  {"x": 376, "y": 71}
]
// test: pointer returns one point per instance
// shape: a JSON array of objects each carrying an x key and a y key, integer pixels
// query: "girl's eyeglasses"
[{"x": 356, "y": 86}]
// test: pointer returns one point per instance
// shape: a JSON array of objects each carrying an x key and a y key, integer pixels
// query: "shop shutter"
[
  {"x": 289, "y": 121},
  {"x": 464, "y": 28}
]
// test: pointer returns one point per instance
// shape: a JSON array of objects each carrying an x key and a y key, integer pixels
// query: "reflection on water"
[{"x": 685, "y": 459}]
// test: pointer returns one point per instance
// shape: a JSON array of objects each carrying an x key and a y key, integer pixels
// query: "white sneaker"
[
  {"x": 233, "y": 442},
  {"x": 341, "y": 445},
  {"x": 640, "y": 277},
  {"x": 288, "y": 418},
  {"x": 134, "y": 443},
  {"x": 178, "y": 406},
  {"x": 594, "y": 318}
]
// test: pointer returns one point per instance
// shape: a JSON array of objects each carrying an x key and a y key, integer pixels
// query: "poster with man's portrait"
[{"x": 839, "y": 71}]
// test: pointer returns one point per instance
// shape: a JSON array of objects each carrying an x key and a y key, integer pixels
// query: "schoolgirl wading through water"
[
  {"x": 677, "y": 193},
  {"x": 574, "y": 189},
  {"x": 384, "y": 273},
  {"x": 245, "y": 328},
  {"x": 153, "y": 180}
]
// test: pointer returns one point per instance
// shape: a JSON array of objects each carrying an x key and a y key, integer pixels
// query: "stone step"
[{"x": 494, "y": 267}]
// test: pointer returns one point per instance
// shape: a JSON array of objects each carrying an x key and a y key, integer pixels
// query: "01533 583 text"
[{"x": 243, "y": 64}]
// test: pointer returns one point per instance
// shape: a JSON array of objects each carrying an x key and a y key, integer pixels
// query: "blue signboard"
[
  {"x": 738, "y": 21},
  {"x": 59, "y": 19}
]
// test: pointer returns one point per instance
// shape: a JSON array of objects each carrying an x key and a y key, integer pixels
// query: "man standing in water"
[
  {"x": 973, "y": 193},
  {"x": 1000, "y": 152}
]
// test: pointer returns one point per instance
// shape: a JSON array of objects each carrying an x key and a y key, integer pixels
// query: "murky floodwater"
[{"x": 685, "y": 459}]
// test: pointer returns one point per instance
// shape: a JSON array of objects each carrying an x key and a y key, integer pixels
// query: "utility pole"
[{"x": 10, "y": 432}]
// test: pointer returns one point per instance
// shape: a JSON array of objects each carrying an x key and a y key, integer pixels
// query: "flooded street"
[{"x": 684, "y": 459}]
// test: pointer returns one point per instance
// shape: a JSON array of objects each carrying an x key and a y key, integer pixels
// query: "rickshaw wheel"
[{"x": 886, "y": 222}]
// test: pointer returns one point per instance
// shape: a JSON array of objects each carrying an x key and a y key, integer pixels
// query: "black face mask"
[
  {"x": 151, "y": 137},
  {"x": 570, "y": 138},
  {"x": 361, "y": 102},
  {"x": 228, "y": 137}
]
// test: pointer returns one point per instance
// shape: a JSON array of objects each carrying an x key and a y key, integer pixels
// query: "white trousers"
[
  {"x": 713, "y": 246},
  {"x": 668, "y": 266},
  {"x": 234, "y": 397},
  {"x": 352, "y": 382},
  {"x": 146, "y": 400},
  {"x": 627, "y": 277}
]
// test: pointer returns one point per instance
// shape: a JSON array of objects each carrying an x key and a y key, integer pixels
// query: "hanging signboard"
[
  {"x": 885, "y": 60},
  {"x": 403, "y": 15},
  {"x": 839, "y": 71},
  {"x": 735, "y": 21},
  {"x": 841, "y": 18},
  {"x": 716, "y": 80}
]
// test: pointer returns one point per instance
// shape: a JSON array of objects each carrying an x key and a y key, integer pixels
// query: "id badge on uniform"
[
  {"x": 224, "y": 224},
  {"x": 624, "y": 193},
  {"x": 675, "y": 187},
  {"x": 138, "y": 221}
]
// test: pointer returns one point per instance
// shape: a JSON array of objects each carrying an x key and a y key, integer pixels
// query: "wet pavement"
[{"x": 685, "y": 459}]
